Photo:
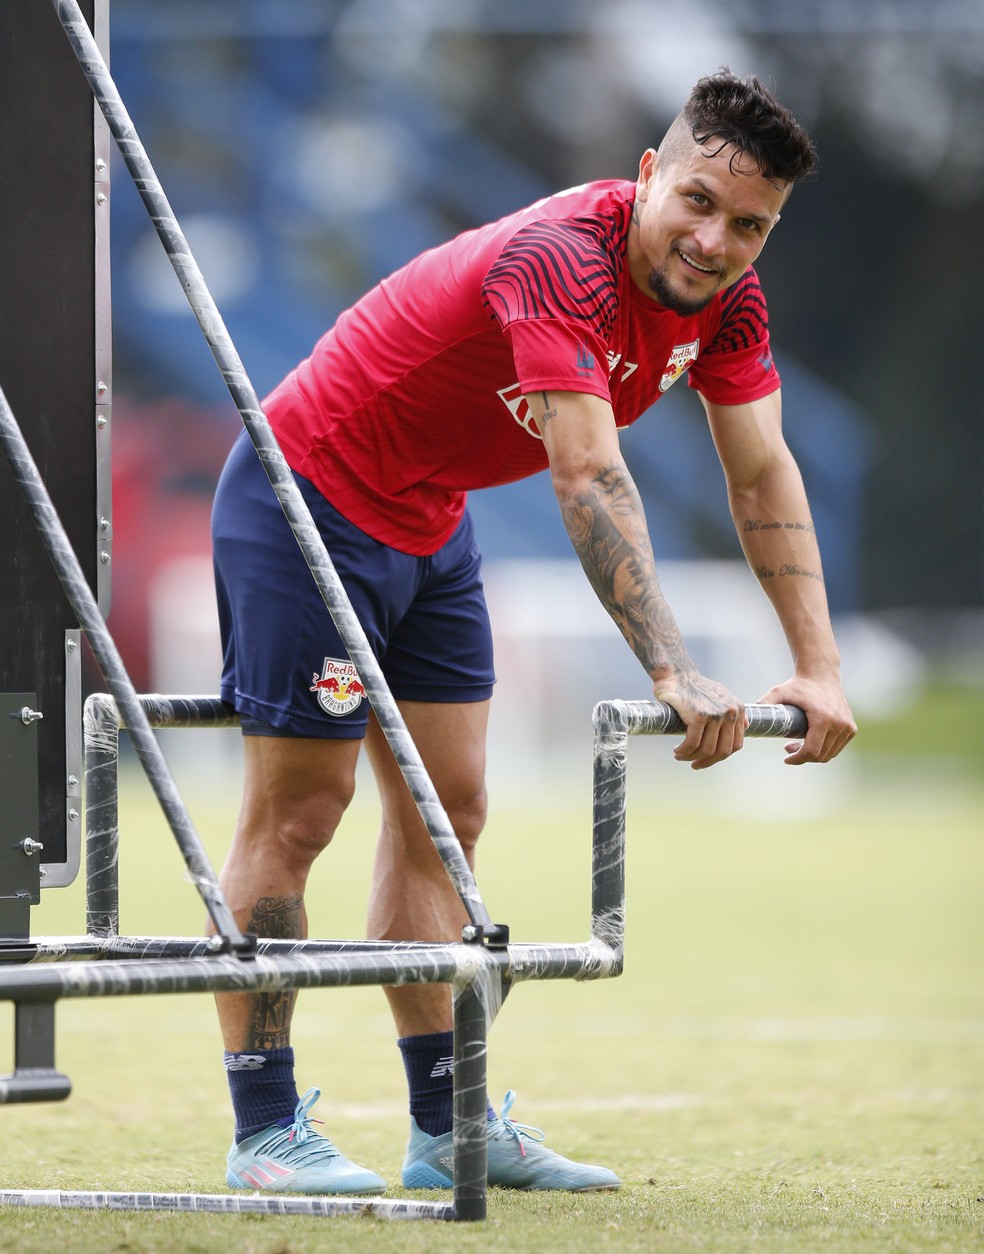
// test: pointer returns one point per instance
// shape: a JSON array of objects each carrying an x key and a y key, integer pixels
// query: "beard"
[{"x": 667, "y": 295}]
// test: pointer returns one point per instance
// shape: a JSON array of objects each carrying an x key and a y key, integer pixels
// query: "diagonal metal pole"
[
  {"x": 80, "y": 597},
  {"x": 278, "y": 472}
]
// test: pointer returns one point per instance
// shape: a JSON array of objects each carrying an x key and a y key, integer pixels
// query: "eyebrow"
[{"x": 709, "y": 193}]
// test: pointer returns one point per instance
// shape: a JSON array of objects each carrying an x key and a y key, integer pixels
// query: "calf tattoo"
[{"x": 275, "y": 918}]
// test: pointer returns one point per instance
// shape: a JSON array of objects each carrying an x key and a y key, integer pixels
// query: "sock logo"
[
  {"x": 443, "y": 1067},
  {"x": 244, "y": 1062}
]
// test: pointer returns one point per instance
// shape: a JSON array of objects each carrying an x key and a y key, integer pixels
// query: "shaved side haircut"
[{"x": 726, "y": 111}]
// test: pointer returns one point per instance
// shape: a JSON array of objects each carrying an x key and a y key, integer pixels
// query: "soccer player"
[{"x": 522, "y": 345}]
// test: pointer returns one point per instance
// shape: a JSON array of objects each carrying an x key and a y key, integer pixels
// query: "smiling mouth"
[{"x": 694, "y": 265}]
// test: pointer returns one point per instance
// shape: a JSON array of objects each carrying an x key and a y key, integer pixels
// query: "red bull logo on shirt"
[
  {"x": 339, "y": 689},
  {"x": 681, "y": 359}
]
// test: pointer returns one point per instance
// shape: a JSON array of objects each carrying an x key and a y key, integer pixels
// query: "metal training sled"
[{"x": 104, "y": 963}]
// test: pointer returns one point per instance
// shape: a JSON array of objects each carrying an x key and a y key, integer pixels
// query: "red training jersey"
[{"x": 416, "y": 395}]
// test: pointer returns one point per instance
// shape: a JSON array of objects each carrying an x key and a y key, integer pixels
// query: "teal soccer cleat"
[
  {"x": 517, "y": 1160},
  {"x": 296, "y": 1159}
]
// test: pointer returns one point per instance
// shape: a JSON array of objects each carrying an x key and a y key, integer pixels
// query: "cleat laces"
[
  {"x": 290, "y": 1145},
  {"x": 503, "y": 1126}
]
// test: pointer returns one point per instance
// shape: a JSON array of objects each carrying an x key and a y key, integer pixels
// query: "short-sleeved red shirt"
[{"x": 415, "y": 396}]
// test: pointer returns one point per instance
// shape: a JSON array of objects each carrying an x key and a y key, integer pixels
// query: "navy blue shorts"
[{"x": 285, "y": 668}]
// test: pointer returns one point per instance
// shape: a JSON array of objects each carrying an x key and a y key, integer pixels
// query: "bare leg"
[
  {"x": 294, "y": 795},
  {"x": 412, "y": 897}
]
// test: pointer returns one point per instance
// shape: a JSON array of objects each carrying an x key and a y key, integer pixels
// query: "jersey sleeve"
[
  {"x": 737, "y": 366},
  {"x": 553, "y": 291}
]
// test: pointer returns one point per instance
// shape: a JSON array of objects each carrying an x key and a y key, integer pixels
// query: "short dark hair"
[{"x": 740, "y": 112}]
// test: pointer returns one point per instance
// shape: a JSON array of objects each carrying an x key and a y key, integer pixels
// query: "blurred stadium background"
[{"x": 310, "y": 147}]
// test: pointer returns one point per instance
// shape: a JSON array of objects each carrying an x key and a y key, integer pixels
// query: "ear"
[{"x": 648, "y": 166}]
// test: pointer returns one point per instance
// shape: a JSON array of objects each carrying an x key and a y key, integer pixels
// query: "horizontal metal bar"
[
  {"x": 173, "y": 711},
  {"x": 655, "y": 718},
  {"x": 34, "y": 1084},
  {"x": 228, "y": 1204},
  {"x": 451, "y": 964},
  {"x": 645, "y": 718},
  {"x": 89, "y": 947}
]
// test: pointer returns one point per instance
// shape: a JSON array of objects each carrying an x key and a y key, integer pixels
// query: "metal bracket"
[
  {"x": 494, "y": 937},
  {"x": 20, "y": 871},
  {"x": 246, "y": 948}
]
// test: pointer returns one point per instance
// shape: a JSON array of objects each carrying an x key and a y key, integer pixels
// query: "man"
[{"x": 524, "y": 344}]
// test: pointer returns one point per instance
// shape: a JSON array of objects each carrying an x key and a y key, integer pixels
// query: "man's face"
[{"x": 698, "y": 224}]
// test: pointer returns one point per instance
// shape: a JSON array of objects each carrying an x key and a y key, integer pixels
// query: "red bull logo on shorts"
[{"x": 339, "y": 689}]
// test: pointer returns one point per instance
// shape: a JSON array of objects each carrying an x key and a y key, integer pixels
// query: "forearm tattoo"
[
  {"x": 788, "y": 568},
  {"x": 765, "y": 571},
  {"x": 756, "y": 524},
  {"x": 274, "y": 918},
  {"x": 607, "y": 528}
]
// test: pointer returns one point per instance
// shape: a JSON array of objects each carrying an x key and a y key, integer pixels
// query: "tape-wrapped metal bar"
[
  {"x": 101, "y": 724},
  {"x": 470, "y": 1140},
  {"x": 608, "y": 827},
  {"x": 131, "y": 966},
  {"x": 654, "y": 718},
  {"x": 614, "y": 723},
  {"x": 227, "y": 1204},
  {"x": 102, "y": 721},
  {"x": 187, "y": 711}
]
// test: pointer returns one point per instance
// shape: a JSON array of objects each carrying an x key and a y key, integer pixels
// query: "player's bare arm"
[
  {"x": 605, "y": 520},
  {"x": 772, "y": 517}
]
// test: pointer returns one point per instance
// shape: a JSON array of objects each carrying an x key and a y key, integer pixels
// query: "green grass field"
[{"x": 793, "y": 1060}]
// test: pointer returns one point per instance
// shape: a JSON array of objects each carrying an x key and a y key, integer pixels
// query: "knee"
[
  {"x": 467, "y": 815},
  {"x": 304, "y": 830},
  {"x": 297, "y": 828},
  {"x": 406, "y": 835}
]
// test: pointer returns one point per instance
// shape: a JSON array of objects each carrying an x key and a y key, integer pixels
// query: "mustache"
[
  {"x": 671, "y": 299},
  {"x": 689, "y": 254}
]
